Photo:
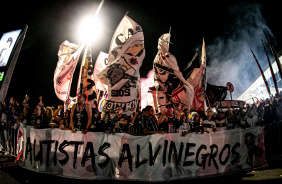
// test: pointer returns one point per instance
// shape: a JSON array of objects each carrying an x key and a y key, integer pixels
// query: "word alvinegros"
[{"x": 164, "y": 153}]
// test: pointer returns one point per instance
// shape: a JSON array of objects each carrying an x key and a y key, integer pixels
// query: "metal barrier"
[{"x": 273, "y": 141}]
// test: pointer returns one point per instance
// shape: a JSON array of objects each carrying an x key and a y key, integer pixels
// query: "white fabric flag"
[
  {"x": 126, "y": 55},
  {"x": 68, "y": 56},
  {"x": 170, "y": 84}
]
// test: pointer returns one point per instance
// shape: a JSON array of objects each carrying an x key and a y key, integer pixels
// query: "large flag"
[
  {"x": 126, "y": 55},
  {"x": 86, "y": 82},
  {"x": 68, "y": 56},
  {"x": 171, "y": 87},
  {"x": 198, "y": 80}
]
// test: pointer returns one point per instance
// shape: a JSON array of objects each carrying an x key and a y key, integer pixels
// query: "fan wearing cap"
[
  {"x": 172, "y": 121},
  {"x": 209, "y": 124}
]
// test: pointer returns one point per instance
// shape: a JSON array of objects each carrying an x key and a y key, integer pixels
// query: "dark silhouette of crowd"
[{"x": 82, "y": 117}]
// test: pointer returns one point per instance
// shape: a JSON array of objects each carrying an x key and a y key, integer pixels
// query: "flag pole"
[
  {"x": 261, "y": 72},
  {"x": 81, "y": 72},
  {"x": 81, "y": 46},
  {"x": 274, "y": 54},
  {"x": 169, "y": 36},
  {"x": 271, "y": 69},
  {"x": 88, "y": 46},
  {"x": 99, "y": 8}
]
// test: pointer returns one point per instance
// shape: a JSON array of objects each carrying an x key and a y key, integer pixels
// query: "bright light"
[{"x": 90, "y": 29}]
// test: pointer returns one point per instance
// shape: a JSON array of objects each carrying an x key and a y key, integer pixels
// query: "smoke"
[
  {"x": 145, "y": 84},
  {"x": 229, "y": 58}
]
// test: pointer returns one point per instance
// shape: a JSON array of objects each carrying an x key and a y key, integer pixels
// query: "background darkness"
[{"x": 52, "y": 22}]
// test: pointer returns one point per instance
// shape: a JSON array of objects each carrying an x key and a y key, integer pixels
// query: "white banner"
[{"x": 158, "y": 157}]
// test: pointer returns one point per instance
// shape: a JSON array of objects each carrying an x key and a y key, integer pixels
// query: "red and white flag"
[
  {"x": 171, "y": 86},
  {"x": 198, "y": 80}
]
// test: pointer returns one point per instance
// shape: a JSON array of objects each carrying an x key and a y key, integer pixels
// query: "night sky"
[{"x": 50, "y": 23}]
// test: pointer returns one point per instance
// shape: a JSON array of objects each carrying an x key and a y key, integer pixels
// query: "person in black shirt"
[
  {"x": 106, "y": 120},
  {"x": 26, "y": 108},
  {"x": 120, "y": 121},
  {"x": 171, "y": 122},
  {"x": 64, "y": 122},
  {"x": 150, "y": 123},
  {"x": 136, "y": 123},
  {"x": 98, "y": 124},
  {"x": 81, "y": 115}
]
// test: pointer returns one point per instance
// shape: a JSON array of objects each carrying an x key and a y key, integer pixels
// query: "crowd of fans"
[{"x": 81, "y": 117}]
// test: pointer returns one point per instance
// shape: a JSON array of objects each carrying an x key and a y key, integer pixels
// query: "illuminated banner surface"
[{"x": 157, "y": 157}]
